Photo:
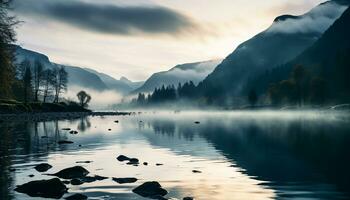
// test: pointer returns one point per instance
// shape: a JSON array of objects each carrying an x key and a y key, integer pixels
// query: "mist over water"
[{"x": 242, "y": 155}]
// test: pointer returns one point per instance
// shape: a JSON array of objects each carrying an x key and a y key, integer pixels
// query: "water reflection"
[{"x": 241, "y": 156}]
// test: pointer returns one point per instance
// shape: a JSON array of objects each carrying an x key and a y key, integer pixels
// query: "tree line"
[
  {"x": 36, "y": 83},
  {"x": 170, "y": 93}
]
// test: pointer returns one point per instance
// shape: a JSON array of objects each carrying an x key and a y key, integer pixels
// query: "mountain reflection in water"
[{"x": 262, "y": 155}]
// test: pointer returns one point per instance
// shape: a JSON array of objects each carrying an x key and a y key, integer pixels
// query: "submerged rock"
[
  {"x": 145, "y": 163},
  {"x": 196, "y": 171},
  {"x": 90, "y": 179},
  {"x": 150, "y": 190},
  {"x": 72, "y": 172},
  {"x": 66, "y": 129},
  {"x": 65, "y": 142},
  {"x": 116, "y": 121},
  {"x": 197, "y": 122},
  {"x": 43, "y": 167},
  {"x": 31, "y": 175},
  {"x": 124, "y": 180},
  {"x": 188, "y": 198},
  {"x": 87, "y": 161},
  {"x": 133, "y": 161},
  {"x": 159, "y": 164},
  {"x": 52, "y": 188},
  {"x": 77, "y": 197}
]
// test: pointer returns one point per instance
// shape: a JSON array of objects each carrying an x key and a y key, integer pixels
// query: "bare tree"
[
  {"x": 38, "y": 76},
  {"x": 7, "y": 36},
  {"x": 84, "y": 98},
  {"x": 60, "y": 82},
  {"x": 27, "y": 81},
  {"x": 48, "y": 83}
]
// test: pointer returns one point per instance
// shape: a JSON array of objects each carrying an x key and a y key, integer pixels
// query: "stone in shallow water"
[
  {"x": 77, "y": 197},
  {"x": 90, "y": 179},
  {"x": 65, "y": 142},
  {"x": 188, "y": 198},
  {"x": 66, "y": 129},
  {"x": 43, "y": 167},
  {"x": 52, "y": 188},
  {"x": 196, "y": 171},
  {"x": 124, "y": 180},
  {"x": 122, "y": 158},
  {"x": 87, "y": 161},
  {"x": 72, "y": 172},
  {"x": 150, "y": 190}
]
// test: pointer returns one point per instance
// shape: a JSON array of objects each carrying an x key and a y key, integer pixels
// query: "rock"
[
  {"x": 116, "y": 121},
  {"x": 188, "y": 198},
  {"x": 52, "y": 188},
  {"x": 76, "y": 181},
  {"x": 133, "y": 161},
  {"x": 73, "y": 132},
  {"x": 72, "y": 172},
  {"x": 145, "y": 163},
  {"x": 122, "y": 158},
  {"x": 150, "y": 190},
  {"x": 65, "y": 142},
  {"x": 159, "y": 164},
  {"x": 77, "y": 197},
  {"x": 31, "y": 175},
  {"x": 66, "y": 129},
  {"x": 124, "y": 180},
  {"x": 196, "y": 171},
  {"x": 109, "y": 129},
  {"x": 90, "y": 179},
  {"x": 88, "y": 161},
  {"x": 197, "y": 122},
  {"x": 43, "y": 167}
]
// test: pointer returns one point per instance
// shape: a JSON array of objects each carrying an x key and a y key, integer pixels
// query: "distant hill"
[
  {"x": 76, "y": 76},
  {"x": 285, "y": 39},
  {"x": 194, "y": 72}
]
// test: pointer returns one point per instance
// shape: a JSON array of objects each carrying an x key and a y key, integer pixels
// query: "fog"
[{"x": 100, "y": 100}]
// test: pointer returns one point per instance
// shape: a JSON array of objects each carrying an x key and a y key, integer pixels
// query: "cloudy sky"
[{"x": 135, "y": 38}]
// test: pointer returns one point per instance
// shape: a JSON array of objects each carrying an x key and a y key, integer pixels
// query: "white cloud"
[{"x": 317, "y": 21}]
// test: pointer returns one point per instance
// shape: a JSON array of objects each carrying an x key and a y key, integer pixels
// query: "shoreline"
[{"x": 48, "y": 116}]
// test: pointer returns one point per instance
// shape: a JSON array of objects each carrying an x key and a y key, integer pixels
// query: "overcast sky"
[{"x": 135, "y": 38}]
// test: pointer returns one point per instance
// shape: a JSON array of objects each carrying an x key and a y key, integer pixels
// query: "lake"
[{"x": 227, "y": 155}]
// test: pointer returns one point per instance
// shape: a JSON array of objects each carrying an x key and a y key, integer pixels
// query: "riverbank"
[{"x": 49, "y": 116}]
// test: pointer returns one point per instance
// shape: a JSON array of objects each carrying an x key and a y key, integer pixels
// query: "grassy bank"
[{"x": 12, "y": 106}]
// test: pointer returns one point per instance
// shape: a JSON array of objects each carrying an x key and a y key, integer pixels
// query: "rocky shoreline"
[{"x": 49, "y": 116}]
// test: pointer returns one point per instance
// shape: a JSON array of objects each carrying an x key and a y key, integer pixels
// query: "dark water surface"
[{"x": 247, "y": 155}]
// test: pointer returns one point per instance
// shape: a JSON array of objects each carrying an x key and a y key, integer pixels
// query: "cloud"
[
  {"x": 318, "y": 20},
  {"x": 112, "y": 19}
]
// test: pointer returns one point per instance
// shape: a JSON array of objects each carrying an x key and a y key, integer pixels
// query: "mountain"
[
  {"x": 194, "y": 72},
  {"x": 77, "y": 77},
  {"x": 286, "y": 38},
  {"x": 329, "y": 59},
  {"x": 112, "y": 83},
  {"x": 132, "y": 84}
]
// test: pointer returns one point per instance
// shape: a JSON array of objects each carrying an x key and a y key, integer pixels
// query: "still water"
[{"x": 241, "y": 155}]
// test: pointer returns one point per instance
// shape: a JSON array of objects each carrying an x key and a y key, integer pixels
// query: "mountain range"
[
  {"x": 285, "y": 39},
  {"x": 194, "y": 72},
  {"x": 80, "y": 77}
]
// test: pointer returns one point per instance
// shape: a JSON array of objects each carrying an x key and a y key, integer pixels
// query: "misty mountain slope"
[
  {"x": 112, "y": 83},
  {"x": 286, "y": 38},
  {"x": 77, "y": 77},
  {"x": 133, "y": 84},
  {"x": 195, "y": 72},
  {"x": 328, "y": 58}
]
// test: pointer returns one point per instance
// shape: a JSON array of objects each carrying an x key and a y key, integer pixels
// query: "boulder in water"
[
  {"x": 52, "y": 188},
  {"x": 124, "y": 180},
  {"x": 150, "y": 190},
  {"x": 43, "y": 167},
  {"x": 72, "y": 172},
  {"x": 122, "y": 158},
  {"x": 65, "y": 142}
]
